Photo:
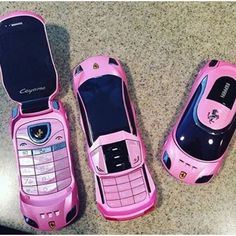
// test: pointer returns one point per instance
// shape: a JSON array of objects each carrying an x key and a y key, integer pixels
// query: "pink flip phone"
[
  {"x": 196, "y": 147},
  {"x": 116, "y": 153},
  {"x": 39, "y": 126}
]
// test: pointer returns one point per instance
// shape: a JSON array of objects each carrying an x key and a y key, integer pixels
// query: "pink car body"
[
  {"x": 116, "y": 153},
  {"x": 39, "y": 128},
  {"x": 196, "y": 147}
]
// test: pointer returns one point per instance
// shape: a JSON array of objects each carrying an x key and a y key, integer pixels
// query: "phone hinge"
[{"x": 35, "y": 105}]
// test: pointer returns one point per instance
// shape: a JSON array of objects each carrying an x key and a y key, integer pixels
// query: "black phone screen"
[
  {"x": 26, "y": 64},
  {"x": 224, "y": 91}
]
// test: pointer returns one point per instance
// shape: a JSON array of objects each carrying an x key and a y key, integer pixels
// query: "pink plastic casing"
[
  {"x": 49, "y": 211},
  {"x": 183, "y": 166},
  {"x": 125, "y": 194}
]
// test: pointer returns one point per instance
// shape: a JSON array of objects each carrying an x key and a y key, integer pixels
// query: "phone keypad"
[
  {"x": 45, "y": 170},
  {"x": 125, "y": 190}
]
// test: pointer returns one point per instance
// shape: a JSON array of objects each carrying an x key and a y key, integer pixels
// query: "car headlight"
[
  {"x": 166, "y": 160},
  {"x": 30, "y": 222},
  {"x": 203, "y": 179}
]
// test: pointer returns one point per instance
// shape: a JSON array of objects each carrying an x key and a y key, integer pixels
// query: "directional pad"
[{"x": 39, "y": 133}]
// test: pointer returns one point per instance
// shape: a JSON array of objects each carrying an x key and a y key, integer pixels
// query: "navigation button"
[{"x": 39, "y": 133}]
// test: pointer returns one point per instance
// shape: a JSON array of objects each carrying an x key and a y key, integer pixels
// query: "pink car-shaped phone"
[
  {"x": 196, "y": 147},
  {"x": 124, "y": 187},
  {"x": 39, "y": 127}
]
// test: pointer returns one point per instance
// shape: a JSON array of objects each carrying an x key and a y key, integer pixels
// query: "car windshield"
[
  {"x": 196, "y": 139},
  {"x": 102, "y": 98}
]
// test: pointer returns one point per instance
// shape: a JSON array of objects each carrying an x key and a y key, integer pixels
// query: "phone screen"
[{"x": 26, "y": 64}]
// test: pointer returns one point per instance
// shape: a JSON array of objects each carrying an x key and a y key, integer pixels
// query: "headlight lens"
[
  {"x": 166, "y": 160},
  {"x": 203, "y": 179},
  {"x": 31, "y": 222}
]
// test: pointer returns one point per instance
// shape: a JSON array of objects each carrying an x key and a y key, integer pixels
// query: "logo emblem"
[
  {"x": 182, "y": 175},
  {"x": 95, "y": 66},
  {"x": 52, "y": 224},
  {"x": 39, "y": 133},
  {"x": 213, "y": 116}
]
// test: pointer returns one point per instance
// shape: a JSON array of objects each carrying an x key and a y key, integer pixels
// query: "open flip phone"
[
  {"x": 39, "y": 127},
  {"x": 124, "y": 186}
]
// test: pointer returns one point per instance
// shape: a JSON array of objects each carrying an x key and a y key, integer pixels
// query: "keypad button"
[
  {"x": 127, "y": 201},
  {"x": 135, "y": 174},
  {"x": 63, "y": 174},
  {"x": 60, "y": 154},
  {"x": 28, "y": 180},
  {"x": 114, "y": 204},
  {"x": 110, "y": 189},
  {"x": 63, "y": 184},
  {"x": 45, "y": 168},
  {"x": 112, "y": 196},
  {"x": 122, "y": 179},
  {"x": 123, "y": 187},
  {"x": 61, "y": 164},
  {"x": 31, "y": 190},
  {"x": 23, "y": 153},
  {"x": 137, "y": 182},
  {"x": 27, "y": 170},
  {"x": 108, "y": 181},
  {"x": 58, "y": 146},
  {"x": 47, "y": 189},
  {"x": 26, "y": 161},
  {"x": 43, "y": 158},
  {"x": 139, "y": 189},
  {"x": 42, "y": 150},
  {"x": 46, "y": 179},
  {"x": 125, "y": 194},
  {"x": 140, "y": 197}
]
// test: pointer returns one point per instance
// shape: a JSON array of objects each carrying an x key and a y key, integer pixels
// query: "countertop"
[{"x": 162, "y": 46}]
